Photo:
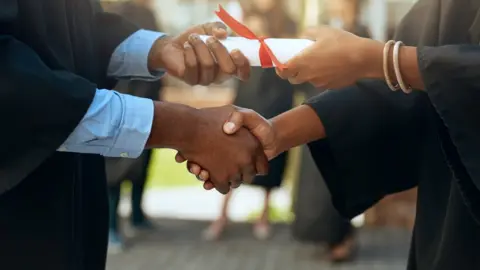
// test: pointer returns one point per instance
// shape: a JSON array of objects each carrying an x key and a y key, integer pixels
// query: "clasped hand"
[{"x": 252, "y": 141}]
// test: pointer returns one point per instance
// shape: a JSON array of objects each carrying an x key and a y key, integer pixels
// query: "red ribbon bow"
[{"x": 267, "y": 58}]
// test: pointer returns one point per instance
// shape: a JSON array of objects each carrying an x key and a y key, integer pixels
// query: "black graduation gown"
[
  {"x": 381, "y": 142},
  {"x": 53, "y": 206},
  {"x": 139, "y": 15}
]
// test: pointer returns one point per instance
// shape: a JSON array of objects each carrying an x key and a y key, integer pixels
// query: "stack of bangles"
[{"x": 396, "y": 67}]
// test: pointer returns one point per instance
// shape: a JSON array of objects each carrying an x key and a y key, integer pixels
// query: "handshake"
[
  {"x": 224, "y": 146},
  {"x": 230, "y": 147}
]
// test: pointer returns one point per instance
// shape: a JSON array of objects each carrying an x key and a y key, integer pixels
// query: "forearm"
[
  {"x": 174, "y": 126},
  {"x": 298, "y": 126}
]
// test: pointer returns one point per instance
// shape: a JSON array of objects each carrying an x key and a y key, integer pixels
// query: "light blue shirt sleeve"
[
  {"x": 130, "y": 58},
  {"x": 118, "y": 125},
  {"x": 115, "y": 125}
]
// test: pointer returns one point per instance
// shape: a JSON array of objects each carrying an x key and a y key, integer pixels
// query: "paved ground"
[{"x": 177, "y": 245}]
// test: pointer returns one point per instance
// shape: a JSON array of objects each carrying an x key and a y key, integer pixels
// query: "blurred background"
[{"x": 161, "y": 218}]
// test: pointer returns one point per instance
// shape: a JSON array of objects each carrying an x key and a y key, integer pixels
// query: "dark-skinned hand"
[
  {"x": 191, "y": 60},
  {"x": 238, "y": 120},
  {"x": 230, "y": 159}
]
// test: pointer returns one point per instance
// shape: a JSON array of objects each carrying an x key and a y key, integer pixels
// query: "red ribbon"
[{"x": 267, "y": 58}]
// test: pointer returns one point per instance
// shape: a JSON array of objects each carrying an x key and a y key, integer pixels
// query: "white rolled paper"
[{"x": 284, "y": 49}]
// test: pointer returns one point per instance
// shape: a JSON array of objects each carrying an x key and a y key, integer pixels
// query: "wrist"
[
  {"x": 281, "y": 141},
  {"x": 155, "y": 61},
  {"x": 290, "y": 132},
  {"x": 174, "y": 126},
  {"x": 371, "y": 58}
]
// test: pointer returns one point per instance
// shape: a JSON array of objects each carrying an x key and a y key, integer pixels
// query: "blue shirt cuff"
[
  {"x": 135, "y": 129},
  {"x": 115, "y": 125},
  {"x": 130, "y": 58}
]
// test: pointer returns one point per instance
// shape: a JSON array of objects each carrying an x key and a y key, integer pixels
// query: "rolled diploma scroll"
[{"x": 284, "y": 49}]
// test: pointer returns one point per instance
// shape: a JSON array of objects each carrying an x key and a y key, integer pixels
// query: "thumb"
[
  {"x": 251, "y": 120},
  {"x": 242, "y": 117},
  {"x": 234, "y": 123}
]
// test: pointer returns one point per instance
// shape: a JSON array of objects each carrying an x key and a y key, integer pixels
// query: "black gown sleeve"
[
  {"x": 39, "y": 107},
  {"x": 111, "y": 30},
  {"x": 373, "y": 145},
  {"x": 452, "y": 78}
]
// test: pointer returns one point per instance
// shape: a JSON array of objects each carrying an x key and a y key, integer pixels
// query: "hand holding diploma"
[{"x": 337, "y": 59}]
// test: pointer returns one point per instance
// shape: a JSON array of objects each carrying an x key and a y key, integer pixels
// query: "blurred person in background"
[
  {"x": 345, "y": 14},
  {"x": 120, "y": 169},
  {"x": 266, "y": 93},
  {"x": 316, "y": 219}
]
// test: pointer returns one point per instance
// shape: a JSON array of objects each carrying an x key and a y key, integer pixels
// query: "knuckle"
[
  {"x": 237, "y": 57},
  {"x": 214, "y": 44},
  {"x": 218, "y": 24},
  {"x": 245, "y": 159},
  {"x": 231, "y": 174},
  {"x": 191, "y": 63},
  {"x": 181, "y": 71},
  {"x": 207, "y": 28},
  {"x": 209, "y": 64},
  {"x": 263, "y": 128},
  {"x": 194, "y": 40},
  {"x": 230, "y": 69},
  {"x": 204, "y": 82}
]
